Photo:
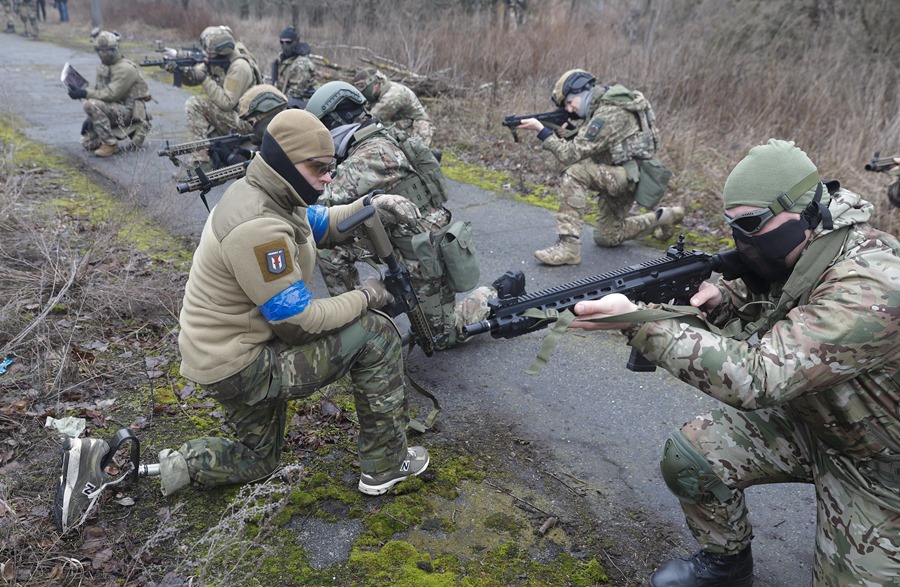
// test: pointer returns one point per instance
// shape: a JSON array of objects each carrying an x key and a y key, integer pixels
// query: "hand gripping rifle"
[
  {"x": 880, "y": 164},
  {"x": 675, "y": 277},
  {"x": 188, "y": 57},
  {"x": 202, "y": 181},
  {"x": 396, "y": 278},
  {"x": 555, "y": 119},
  {"x": 220, "y": 149}
]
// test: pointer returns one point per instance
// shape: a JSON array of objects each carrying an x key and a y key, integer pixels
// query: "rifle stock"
[
  {"x": 396, "y": 278},
  {"x": 673, "y": 278}
]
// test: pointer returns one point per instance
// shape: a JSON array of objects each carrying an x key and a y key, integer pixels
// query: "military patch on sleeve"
[
  {"x": 274, "y": 259},
  {"x": 593, "y": 129}
]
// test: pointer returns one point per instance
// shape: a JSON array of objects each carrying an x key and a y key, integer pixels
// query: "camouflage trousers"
[
  {"x": 28, "y": 14},
  {"x": 205, "y": 119},
  {"x": 858, "y": 517},
  {"x": 255, "y": 402},
  {"x": 615, "y": 196},
  {"x": 104, "y": 116}
]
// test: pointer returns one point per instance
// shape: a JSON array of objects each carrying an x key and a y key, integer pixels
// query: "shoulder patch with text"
[
  {"x": 593, "y": 129},
  {"x": 274, "y": 259}
]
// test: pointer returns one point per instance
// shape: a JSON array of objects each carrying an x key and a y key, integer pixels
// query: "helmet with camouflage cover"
[
  {"x": 218, "y": 40},
  {"x": 106, "y": 44},
  {"x": 365, "y": 81},
  {"x": 573, "y": 81},
  {"x": 260, "y": 100},
  {"x": 336, "y": 104}
]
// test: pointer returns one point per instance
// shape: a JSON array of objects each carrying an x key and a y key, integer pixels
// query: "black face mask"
[
  {"x": 765, "y": 253},
  {"x": 275, "y": 156}
]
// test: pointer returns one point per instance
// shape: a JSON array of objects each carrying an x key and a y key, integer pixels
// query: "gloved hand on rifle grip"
[
  {"x": 170, "y": 66},
  {"x": 197, "y": 73},
  {"x": 395, "y": 209},
  {"x": 77, "y": 93},
  {"x": 376, "y": 294}
]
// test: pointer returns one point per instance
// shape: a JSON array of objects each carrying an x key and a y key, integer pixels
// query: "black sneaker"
[
  {"x": 81, "y": 481},
  {"x": 415, "y": 463},
  {"x": 705, "y": 569}
]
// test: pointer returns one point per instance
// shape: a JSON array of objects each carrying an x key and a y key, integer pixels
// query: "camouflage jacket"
[
  {"x": 398, "y": 105},
  {"x": 833, "y": 361},
  {"x": 295, "y": 74},
  {"x": 606, "y": 126},
  {"x": 377, "y": 162},
  {"x": 114, "y": 83},
  {"x": 250, "y": 277},
  {"x": 224, "y": 87}
]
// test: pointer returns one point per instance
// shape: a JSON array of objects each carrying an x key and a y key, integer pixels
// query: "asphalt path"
[{"x": 593, "y": 419}]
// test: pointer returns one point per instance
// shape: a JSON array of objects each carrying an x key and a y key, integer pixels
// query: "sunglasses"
[
  {"x": 752, "y": 222},
  {"x": 320, "y": 168}
]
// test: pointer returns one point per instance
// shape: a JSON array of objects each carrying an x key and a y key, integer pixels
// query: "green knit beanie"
[{"x": 767, "y": 172}]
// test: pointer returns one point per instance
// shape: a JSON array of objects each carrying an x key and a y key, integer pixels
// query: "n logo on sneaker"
[
  {"x": 89, "y": 488},
  {"x": 404, "y": 467}
]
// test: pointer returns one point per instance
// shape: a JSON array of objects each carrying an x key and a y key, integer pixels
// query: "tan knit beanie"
[{"x": 301, "y": 135}]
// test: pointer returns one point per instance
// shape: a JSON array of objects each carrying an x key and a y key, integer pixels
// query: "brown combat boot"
[
  {"x": 566, "y": 251},
  {"x": 106, "y": 150},
  {"x": 667, "y": 218}
]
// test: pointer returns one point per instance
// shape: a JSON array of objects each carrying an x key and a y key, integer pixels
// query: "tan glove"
[
  {"x": 197, "y": 73},
  {"x": 376, "y": 294},
  {"x": 395, "y": 209}
]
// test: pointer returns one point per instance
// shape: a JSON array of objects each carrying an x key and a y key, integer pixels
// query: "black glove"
[{"x": 77, "y": 93}]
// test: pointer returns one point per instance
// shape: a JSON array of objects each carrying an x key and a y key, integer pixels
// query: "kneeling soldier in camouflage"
[{"x": 256, "y": 337}]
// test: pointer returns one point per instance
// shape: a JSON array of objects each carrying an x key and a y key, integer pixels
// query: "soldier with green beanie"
[
  {"x": 255, "y": 336},
  {"x": 806, "y": 364},
  {"x": 612, "y": 155}
]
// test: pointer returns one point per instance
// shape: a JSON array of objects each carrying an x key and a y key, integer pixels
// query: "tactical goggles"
[
  {"x": 575, "y": 84},
  {"x": 320, "y": 168},
  {"x": 752, "y": 222}
]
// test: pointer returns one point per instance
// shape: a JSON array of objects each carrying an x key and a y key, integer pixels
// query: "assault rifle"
[
  {"x": 880, "y": 164},
  {"x": 556, "y": 119},
  {"x": 673, "y": 278},
  {"x": 222, "y": 150},
  {"x": 396, "y": 278},
  {"x": 197, "y": 179},
  {"x": 301, "y": 100},
  {"x": 186, "y": 57}
]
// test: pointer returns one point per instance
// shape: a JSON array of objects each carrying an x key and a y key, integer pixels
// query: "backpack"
[{"x": 244, "y": 53}]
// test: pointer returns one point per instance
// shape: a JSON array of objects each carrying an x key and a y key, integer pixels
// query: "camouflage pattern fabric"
[
  {"x": 256, "y": 399},
  {"x": 590, "y": 171},
  {"x": 295, "y": 74},
  {"x": 815, "y": 399},
  {"x": 28, "y": 14},
  {"x": 615, "y": 196},
  {"x": 398, "y": 105},
  {"x": 119, "y": 91},
  {"x": 378, "y": 162},
  {"x": 205, "y": 119}
]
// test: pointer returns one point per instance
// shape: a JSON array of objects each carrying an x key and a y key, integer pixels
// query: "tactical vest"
[
  {"x": 644, "y": 143},
  {"x": 245, "y": 53},
  {"x": 426, "y": 186}
]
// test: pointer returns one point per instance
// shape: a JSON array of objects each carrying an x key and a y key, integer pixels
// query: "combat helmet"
[
  {"x": 365, "y": 81},
  {"x": 261, "y": 100},
  {"x": 218, "y": 40},
  {"x": 106, "y": 44},
  {"x": 337, "y": 103},
  {"x": 573, "y": 81}
]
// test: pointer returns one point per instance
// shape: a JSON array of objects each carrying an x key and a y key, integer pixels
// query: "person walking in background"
[
  {"x": 807, "y": 370},
  {"x": 9, "y": 12},
  {"x": 28, "y": 14},
  {"x": 393, "y": 103},
  {"x": 63, "y": 7},
  {"x": 612, "y": 155}
]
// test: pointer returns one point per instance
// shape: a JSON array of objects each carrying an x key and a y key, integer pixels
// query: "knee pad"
[{"x": 688, "y": 474}]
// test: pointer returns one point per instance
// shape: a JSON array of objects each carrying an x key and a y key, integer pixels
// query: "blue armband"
[
  {"x": 286, "y": 303},
  {"x": 318, "y": 221}
]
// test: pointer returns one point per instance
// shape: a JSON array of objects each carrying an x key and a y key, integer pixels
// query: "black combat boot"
[{"x": 705, "y": 569}]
